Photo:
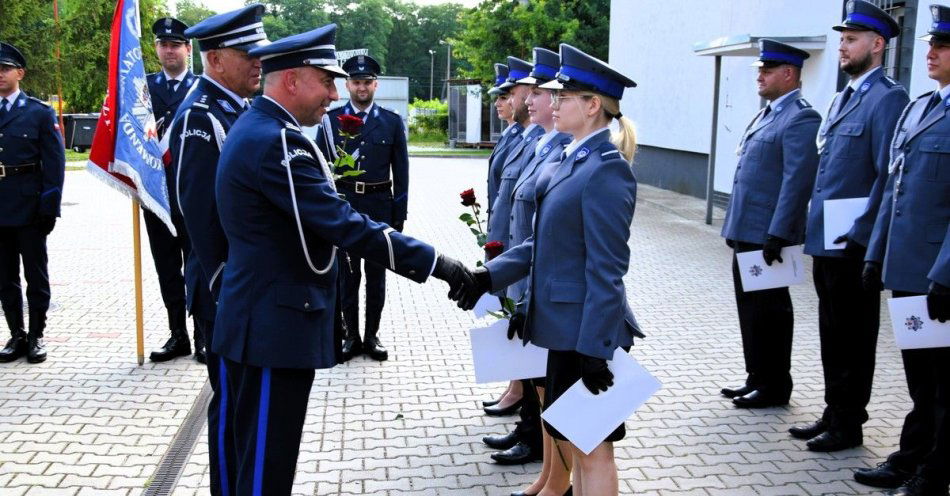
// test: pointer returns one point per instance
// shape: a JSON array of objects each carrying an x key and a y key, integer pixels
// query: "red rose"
[
  {"x": 494, "y": 248},
  {"x": 468, "y": 197},
  {"x": 350, "y": 124}
]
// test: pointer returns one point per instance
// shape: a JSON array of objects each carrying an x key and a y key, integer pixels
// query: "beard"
[{"x": 854, "y": 67}]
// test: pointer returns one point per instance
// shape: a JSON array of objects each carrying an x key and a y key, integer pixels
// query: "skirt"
[{"x": 564, "y": 369}]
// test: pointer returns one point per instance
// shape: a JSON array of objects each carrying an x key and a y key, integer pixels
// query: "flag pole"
[{"x": 137, "y": 250}]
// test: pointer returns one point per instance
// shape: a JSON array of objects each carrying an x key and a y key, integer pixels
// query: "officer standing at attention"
[
  {"x": 381, "y": 192},
  {"x": 853, "y": 149},
  {"x": 910, "y": 247},
  {"x": 167, "y": 89},
  {"x": 284, "y": 221},
  {"x": 510, "y": 136},
  {"x": 198, "y": 132},
  {"x": 32, "y": 169},
  {"x": 774, "y": 177}
]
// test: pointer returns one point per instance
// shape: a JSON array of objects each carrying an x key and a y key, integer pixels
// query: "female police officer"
[{"x": 577, "y": 257}]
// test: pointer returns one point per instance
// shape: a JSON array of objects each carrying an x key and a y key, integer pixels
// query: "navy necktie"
[
  {"x": 361, "y": 115},
  {"x": 934, "y": 100},
  {"x": 171, "y": 85},
  {"x": 845, "y": 97},
  {"x": 3, "y": 107}
]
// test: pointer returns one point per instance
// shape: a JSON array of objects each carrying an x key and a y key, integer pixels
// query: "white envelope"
[
  {"x": 913, "y": 327},
  {"x": 497, "y": 358},
  {"x": 839, "y": 218},
  {"x": 587, "y": 419},
  {"x": 756, "y": 275},
  {"x": 487, "y": 303}
]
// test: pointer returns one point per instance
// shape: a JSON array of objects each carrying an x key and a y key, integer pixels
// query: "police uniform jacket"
[
  {"x": 165, "y": 103},
  {"x": 777, "y": 163},
  {"x": 853, "y": 157},
  {"x": 518, "y": 156},
  {"x": 578, "y": 255},
  {"x": 523, "y": 203},
  {"x": 912, "y": 233},
  {"x": 383, "y": 153},
  {"x": 510, "y": 137},
  {"x": 200, "y": 127},
  {"x": 29, "y": 135},
  {"x": 284, "y": 221}
]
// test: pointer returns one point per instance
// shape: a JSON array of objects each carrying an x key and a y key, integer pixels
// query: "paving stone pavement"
[{"x": 90, "y": 421}]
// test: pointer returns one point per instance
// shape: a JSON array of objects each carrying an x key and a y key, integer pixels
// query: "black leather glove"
[
  {"x": 938, "y": 302},
  {"x": 772, "y": 249},
  {"x": 46, "y": 223},
  {"x": 399, "y": 225},
  {"x": 481, "y": 286},
  {"x": 871, "y": 277},
  {"x": 458, "y": 276},
  {"x": 516, "y": 326},
  {"x": 595, "y": 374},
  {"x": 852, "y": 249}
]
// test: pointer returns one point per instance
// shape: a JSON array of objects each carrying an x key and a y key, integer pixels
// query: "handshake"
[{"x": 465, "y": 286}]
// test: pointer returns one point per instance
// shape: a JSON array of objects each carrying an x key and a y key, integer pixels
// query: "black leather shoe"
[
  {"x": 808, "y": 431},
  {"x": 836, "y": 440},
  {"x": 491, "y": 403},
  {"x": 760, "y": 399},
  {"x": 885, "y": 475},
  {"x": 352, "y": 346},
  {"x": 375, "y": 349},
  {"x": 518, "y": 454},
  {"x": 201, "y": 356},
  {"x": 736, "y": 391},
  {"x": 36, "y": 350},
  {"x": 919, "y": 486},
  {"x": 16, "y": 347},
  {"x": 176, "y": 346},
  {"x": 501, "y": 442},
  {"x": 498, "y": 411}
]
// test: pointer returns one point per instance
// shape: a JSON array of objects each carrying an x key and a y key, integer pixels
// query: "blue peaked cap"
[
  {"x": 940, "y": 29},
  {"x": 546, "y": 64},
  {"x": 501, "y": 75},
  {"x": 865, "y": 16},
  {"x": 314, "y": 48},
  {"x": 9, "y": 55},
  {"x": 582, "y": 72},
  {"x": 772, "y": 53},
  {"x": 241, "y": 29},
  {"x": 517, "y": 69}
]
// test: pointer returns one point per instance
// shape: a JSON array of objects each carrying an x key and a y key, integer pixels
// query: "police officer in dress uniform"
[
  {"x": 200, "y": 127},
  {"x": 853, "y": 146},
  {"x": 910, "y": 248},
  {"x": 576, "y": 259},
  {"x": 511, "y": 135},
  {"x": 776, "y": 171},
  {"x": 167, "y": 89},
  {"x": 32, "y": 168},
  {"x": 285, "y": 223},
  {"x": 381, "y": 192}
]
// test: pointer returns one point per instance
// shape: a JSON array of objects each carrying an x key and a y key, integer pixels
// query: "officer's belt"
[
  {"x": 362, "y": 188},
  {"x": 12, "y": 170}
]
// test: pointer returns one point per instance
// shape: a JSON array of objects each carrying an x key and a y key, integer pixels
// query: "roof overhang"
[{"x": 746, "y": 45}]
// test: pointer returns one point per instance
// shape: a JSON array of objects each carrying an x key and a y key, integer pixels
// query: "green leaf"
[
  {"x": 474, "y": 231},
  {"x": 467, "y": 218},
  {"x": 479, "y": 263},
  {"x": 508, "y": 305},
  {"x": 346, "y": 161},
  {"x": 498, "y": 315},
  {"x": 353, "y": 173},
  {"x": 482, "y": 238}
]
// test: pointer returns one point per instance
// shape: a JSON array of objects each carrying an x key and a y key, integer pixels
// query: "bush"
[{"x": 428, "y": 118}]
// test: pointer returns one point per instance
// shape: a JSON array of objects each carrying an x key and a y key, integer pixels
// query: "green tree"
[
  {"x": 192, "y": 12},
  {"x": 28, "y": 25}
]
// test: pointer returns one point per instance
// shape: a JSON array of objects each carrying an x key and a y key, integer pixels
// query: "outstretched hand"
[
  {"x": 458, "y": 276},
  {"x": 482, "y": 284}
]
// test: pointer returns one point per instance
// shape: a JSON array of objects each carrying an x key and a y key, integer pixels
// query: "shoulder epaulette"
[
  {"x": 890, "y": 83},
  {"x": 387, "y": 109},
  {"x": 610, "y": 153},
  {"x": 37, "y": 100},
  {"x": 802, "y": 103}
]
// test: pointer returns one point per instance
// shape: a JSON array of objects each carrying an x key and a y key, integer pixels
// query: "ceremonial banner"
[{"x": 126, "y": 153}]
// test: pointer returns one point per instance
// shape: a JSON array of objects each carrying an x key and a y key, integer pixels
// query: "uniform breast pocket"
[
  {"x": 936, "y": 165},
  {"x": 382, "y": 141},
  {"x": 850, "y": 141},
  {"x": 759, "y": 145},
  {"x": 302, "y": 299}
]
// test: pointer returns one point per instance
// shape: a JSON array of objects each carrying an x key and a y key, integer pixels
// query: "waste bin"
[{"x": 80, "y": 129}]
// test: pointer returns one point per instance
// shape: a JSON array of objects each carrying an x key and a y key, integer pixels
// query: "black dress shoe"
[
  {"x": 884, "y": 475},
  {"x": 176, "y": 346},
  {"x": 518, "y": 454},
  {"x": 760, "y": 399},
  {"x": 352, "y": 346},
  {"x": 201, "y": 356},
  {"x": 919, "y": 486},
  {"x": 501, "y": 442},
  {"x": 835, "y": 439},
  {"x": 16, "y": 347},
  {"x": 490, "y": 403},
  {"x": 808, "y": 431},
  {"x": 375, "y": 349},
  {"x": 36, "y": 350},
  {"x": 498, "y": 411},
  {"x": 736, "y": 391}
]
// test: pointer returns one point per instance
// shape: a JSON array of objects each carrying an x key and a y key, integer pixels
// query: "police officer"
[
  {"x": 774, "y": 177},
  {"x": 576, "y": 303},
  {"x": 167, "y": 89},
  {"x": 511, "y": 135},
  {"x": 381, "y": 192},
  {"x": 284, "y": 220},
  {"x": 32, "y": 168},
  {"x": 199, "y": 129},
  {"x": 910, "y": 247},
  {"x": 853, "y": 149}
]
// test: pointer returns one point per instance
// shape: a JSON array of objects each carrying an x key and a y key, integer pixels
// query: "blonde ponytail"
[{"x": 626, "y": 139}]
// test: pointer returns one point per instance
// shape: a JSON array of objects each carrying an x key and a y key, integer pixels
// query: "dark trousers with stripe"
[
  {"x": 222, "y": 459},
  {"x": 269, "y": 407},
  {"x": 848, "y": 322},
  {"x": 765, "y": 321},
  {"x": 378, "y": 206},
  {"x": 925, "y": 437}
]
